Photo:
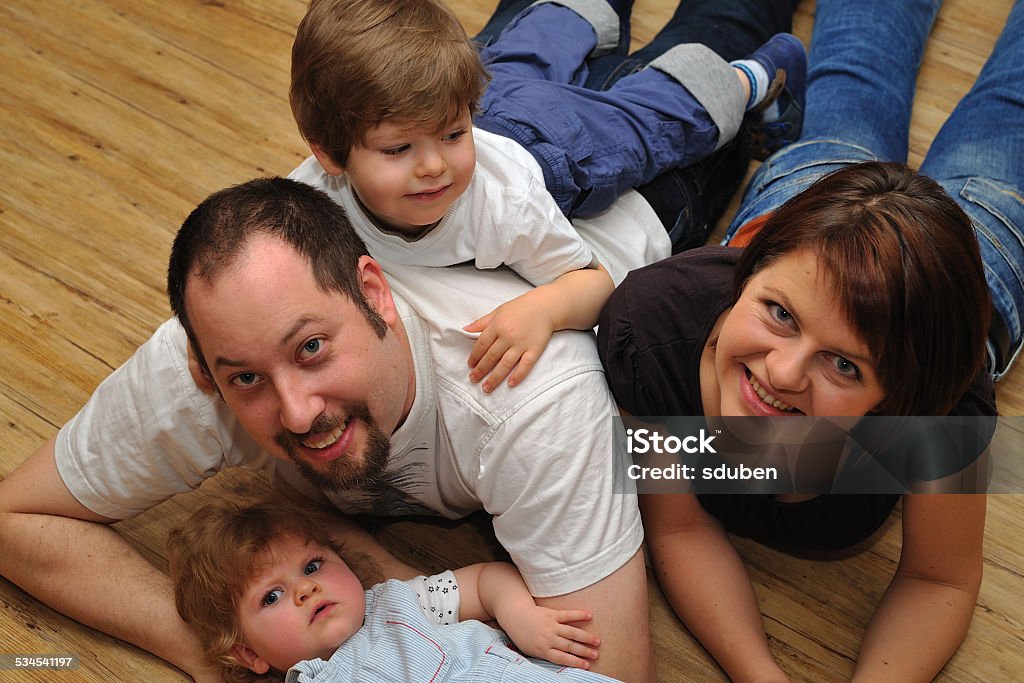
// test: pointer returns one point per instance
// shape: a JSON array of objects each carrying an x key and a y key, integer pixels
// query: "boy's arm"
[
  {"x": 514, "y": 335},
  {"x": 495, "y": 590}
]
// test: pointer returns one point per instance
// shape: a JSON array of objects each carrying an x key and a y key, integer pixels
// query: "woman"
[{"x": 865, "y": 294}]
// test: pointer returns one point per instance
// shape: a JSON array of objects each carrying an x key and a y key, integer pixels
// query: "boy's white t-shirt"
[{"x": 507, "y": 217}]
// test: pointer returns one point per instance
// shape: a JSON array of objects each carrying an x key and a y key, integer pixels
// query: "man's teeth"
[
  {"x": 768, "y": 398},
  {"x": 327, "y": 439}
]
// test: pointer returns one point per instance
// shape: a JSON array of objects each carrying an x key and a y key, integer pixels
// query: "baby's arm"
[
  {"x": 515, "y": 334},
  {"x": 495, "y": 590}
]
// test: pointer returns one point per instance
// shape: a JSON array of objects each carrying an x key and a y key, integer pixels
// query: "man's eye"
[
  {"x": 311, "y": 348},
  {"x": 245, "y": 379}
]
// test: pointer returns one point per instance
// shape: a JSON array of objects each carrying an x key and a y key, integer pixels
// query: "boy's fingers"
[
  {"x": 489, "y": 347},
  {"x": 501, "y": 370},
  {"x": 522, "y": 369},
  {"x": 480, "y": 323}
]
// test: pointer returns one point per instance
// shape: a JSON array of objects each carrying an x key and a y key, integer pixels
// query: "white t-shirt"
[
  {"x": 507, "y": 217},
  {"x": 538, "y": 457}
]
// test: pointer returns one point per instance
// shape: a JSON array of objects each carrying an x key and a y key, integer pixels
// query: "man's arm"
[
  {"x": 71, "y": 559},
  {"x": 619, "y": 605}
]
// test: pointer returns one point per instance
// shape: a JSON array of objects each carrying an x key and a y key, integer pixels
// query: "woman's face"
[{"x": 786, "y": 348}]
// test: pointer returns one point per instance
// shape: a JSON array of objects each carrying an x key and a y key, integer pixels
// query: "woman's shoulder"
[{"x": 684, "y": 288}]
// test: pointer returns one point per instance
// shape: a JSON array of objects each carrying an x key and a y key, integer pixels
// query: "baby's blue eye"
[
  {"x": 272, "y": 597},
  {"x": 313, "y": 566}
]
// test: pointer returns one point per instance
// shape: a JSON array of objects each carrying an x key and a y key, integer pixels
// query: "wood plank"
[{"x": 120, "y": 115}]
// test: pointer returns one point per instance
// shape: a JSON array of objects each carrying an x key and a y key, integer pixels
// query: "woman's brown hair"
[{"x": 903, "y": 260}]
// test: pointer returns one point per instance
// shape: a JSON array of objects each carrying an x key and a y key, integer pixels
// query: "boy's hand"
[
  {"x": 545, "y": 633},
  {"x": 513, "y": 335}
]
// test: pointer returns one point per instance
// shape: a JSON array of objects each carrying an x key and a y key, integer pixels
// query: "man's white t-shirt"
[{"x": 538, "y": 456}]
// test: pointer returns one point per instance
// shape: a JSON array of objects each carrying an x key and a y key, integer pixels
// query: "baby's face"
[{"x": 302, "y": 605}]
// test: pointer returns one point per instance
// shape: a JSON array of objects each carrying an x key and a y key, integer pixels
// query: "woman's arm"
[
  {"x": 925, "y": 613},
  {"x": 705, "y": 581}
]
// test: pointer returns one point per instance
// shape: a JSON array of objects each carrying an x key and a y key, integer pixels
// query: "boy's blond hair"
[
  {"x": 356, "y": 63},
  {"x": 222, "y": 547}
]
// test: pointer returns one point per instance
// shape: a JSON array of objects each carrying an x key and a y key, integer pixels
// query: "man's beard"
[{"x": 342, "y": 474}]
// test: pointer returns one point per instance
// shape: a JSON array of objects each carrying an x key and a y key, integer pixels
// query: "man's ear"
[
  {"x": 377, "y": 290},
  {"x": 249, "y": 659},
  {"x": 199, "y": 373},
  {"x": 325, "y": 160}
]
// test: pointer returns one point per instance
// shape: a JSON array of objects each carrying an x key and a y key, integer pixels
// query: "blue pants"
[
  {"x": 593, "y": 145},
  {"x": 688, "y": 200},
  {"x": 861, "y": 82}
]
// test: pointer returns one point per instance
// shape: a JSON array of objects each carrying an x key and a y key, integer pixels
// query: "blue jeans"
[
  {"x": 593, "y": 145},
  {"x": 862, "y": 74},
  {"x": 688, "y": 200}
]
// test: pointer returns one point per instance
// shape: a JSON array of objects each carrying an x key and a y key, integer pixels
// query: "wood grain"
[{"x": 120, "y": 115}]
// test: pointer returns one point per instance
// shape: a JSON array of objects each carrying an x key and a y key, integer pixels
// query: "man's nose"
[{"x": 299, "y": 405}]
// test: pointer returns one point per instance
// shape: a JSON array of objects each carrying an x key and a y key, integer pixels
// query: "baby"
[{"x": 267, "y": 590}]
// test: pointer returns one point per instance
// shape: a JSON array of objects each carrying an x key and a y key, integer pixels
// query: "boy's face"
[
  {"x": 303, "y": 604},
  {"x": 407, "y": 177}
]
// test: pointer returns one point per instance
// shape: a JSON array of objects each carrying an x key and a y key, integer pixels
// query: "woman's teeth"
[{"x": 768, "y": 398}]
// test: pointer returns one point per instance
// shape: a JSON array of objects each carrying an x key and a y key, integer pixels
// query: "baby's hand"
[
  {"x": 513, "y": 335},
  {"x": 546, "y": 633}
]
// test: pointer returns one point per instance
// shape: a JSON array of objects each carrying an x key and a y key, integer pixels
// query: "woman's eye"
[
  {"x": 245, "y": 379},
  {"x": 311, "y": 348},
  {"x": 845, "y": 367},
  {"x": 313, "y": 567},
  {"x": 779, "y": 313},
  {"x": 272, "y": 597}
]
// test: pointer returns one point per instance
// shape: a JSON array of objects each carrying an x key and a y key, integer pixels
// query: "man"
[{"x": 358, "y": 393}]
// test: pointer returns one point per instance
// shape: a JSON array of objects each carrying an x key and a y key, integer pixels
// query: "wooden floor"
[{"x": 120, "y": 115}]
